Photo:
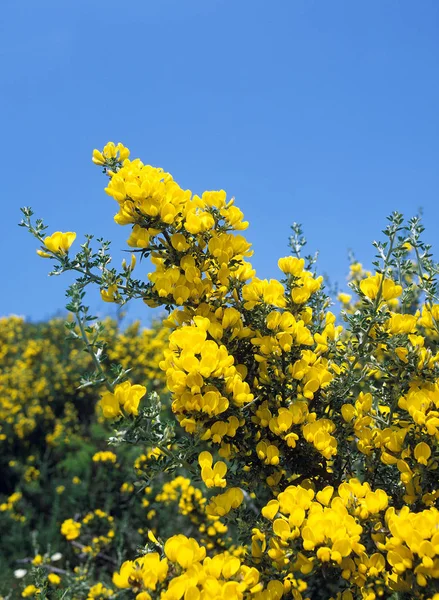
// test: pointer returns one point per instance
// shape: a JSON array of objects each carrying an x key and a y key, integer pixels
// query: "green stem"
[
  {"x": 171, "y": 455},
  {"x": 375, "y": 309},
  {"x": 90, "y": 350},
  {"x": 98, "y": 280}
]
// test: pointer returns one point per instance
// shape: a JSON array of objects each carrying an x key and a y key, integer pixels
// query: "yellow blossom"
[{"x": 58, "y": 243}]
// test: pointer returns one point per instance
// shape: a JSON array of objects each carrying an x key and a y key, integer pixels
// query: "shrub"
[{"x": 305, "y": 457}]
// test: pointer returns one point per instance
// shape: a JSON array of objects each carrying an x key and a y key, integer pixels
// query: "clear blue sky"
[{"x": 322, "y": 112}]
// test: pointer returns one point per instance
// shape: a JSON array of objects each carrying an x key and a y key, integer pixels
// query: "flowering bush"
[
  {"x": 305, "y": 458},
  {"x": 55, "y": 462}
]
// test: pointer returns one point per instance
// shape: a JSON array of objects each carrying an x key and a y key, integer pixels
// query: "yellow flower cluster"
[
  {"x": 70, "y": 529},
  {"x": 190, "y": 499},
  {"x": 105, "y": 456},
  {"x": 99, "y": 592},
  {"x": 200, "y": 577},
  {"x": 111, "y": 151},
  {"x": 192, "y": 503},
  {"x": 11, "y": 505},
  {"x": 153, "y": 203}
]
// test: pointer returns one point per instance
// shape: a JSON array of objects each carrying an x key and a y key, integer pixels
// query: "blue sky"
[{"x": 325, "y": 113}]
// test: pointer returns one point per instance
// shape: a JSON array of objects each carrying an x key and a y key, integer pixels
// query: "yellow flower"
[
  {"x": 139, "y": 237},
  {"x": 30, "y": 590},
  {"x": 371, "y": 286},
  {"x": 422, "y": 453},
  {"x": 270, "y": 510},
  {"x": 152, "y": 538},
  {"x": 185, "y": 551},
  {"x": 58, "y": 242},
  {"x": 291, "y": 265},
  {"x": 344, "y": 298},
  {"x": 125, "y": 395},
  {"x": 130, "y": 574},
  {"x": 401, "y": 323},
  {"x": 269, "y": 453},
  {"x": 70, "y": 529},
  {"x": 99, "y": 591},
  {"x": 110, "y": 405},
  {"x": 98, "y": 158},
  {"x": 111, "y": 294},
  {"x": 110, "y": 151},
  {"x": 212, "y": 475},
  {"x": 146, "y": 571},
  {"x": 54, "y": 578},
  {"x": 222, "y": 504}
]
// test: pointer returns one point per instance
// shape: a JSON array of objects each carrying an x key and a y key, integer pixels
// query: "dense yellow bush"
[{"x": 316, "y": 442}]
